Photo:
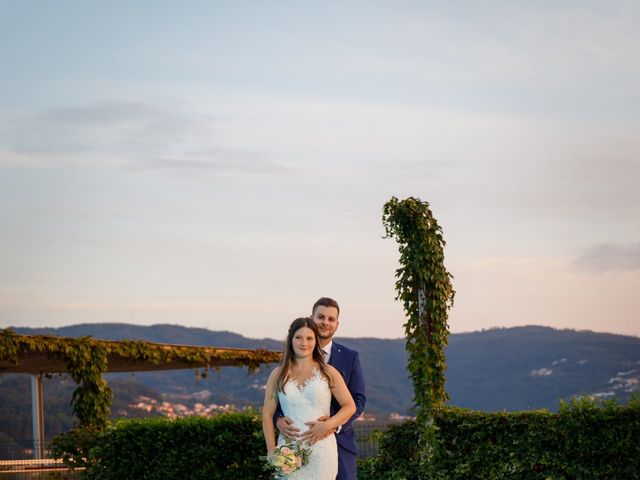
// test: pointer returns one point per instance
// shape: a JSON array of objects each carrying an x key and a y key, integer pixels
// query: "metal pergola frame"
[{"x": 39, "y": 363}]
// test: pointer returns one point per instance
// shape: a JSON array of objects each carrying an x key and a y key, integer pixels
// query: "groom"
[{"x": 325, "y": 314}]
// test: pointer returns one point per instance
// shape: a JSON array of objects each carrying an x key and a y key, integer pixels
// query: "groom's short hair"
[{"x": 325, "y": 302}]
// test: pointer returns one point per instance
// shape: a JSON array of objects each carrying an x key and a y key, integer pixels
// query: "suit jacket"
[{"x": 347, "y": 362}]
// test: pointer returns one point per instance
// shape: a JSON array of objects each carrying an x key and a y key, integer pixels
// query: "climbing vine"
[
  {"x": 87, "y": 359},
  {"x": 424, "y": 286}
]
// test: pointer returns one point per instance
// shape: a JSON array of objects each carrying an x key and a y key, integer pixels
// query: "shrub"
[
  {"x": 584, "y": 440},
  {"x": 73, "y": 447},
  {"x": 398, "y": 455},
  {"x": 227, "y": 446}
]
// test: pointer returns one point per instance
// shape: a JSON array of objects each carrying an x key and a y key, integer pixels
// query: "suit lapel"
[{"x": 335, "y": 354}]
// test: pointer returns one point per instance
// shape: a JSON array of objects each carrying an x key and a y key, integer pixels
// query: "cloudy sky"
[{"x": 223, "y": 164}]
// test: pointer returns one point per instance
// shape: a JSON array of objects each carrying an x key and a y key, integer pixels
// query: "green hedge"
[
  {"x": 397, "y": 455},
  {"x": 223, "y": 447},
  {"x": 583, "y": 441}
]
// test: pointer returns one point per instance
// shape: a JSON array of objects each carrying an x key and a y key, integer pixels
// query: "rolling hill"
[{"x": 498, "y": 369}]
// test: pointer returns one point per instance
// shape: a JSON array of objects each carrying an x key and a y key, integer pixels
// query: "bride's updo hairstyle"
[{"x": 289, "y": 356}]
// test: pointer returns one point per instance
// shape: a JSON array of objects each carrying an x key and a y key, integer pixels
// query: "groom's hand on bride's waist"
[
  {"x": 317, "y": 431},
  {"x": 286, "y": 428}
]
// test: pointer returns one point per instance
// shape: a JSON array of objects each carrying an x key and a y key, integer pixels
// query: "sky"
[{"x": 224, "y": 164}]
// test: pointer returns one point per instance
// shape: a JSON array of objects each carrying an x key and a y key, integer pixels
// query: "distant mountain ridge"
[{"x": 497, "y": 369}]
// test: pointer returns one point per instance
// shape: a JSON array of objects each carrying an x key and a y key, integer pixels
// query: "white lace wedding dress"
[{"x": 303, "y": 403}]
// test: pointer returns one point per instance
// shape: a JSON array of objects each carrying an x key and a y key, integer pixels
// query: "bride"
[{"x": 303, "y": 386}]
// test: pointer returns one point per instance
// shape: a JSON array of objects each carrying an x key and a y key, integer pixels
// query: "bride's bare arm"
[
  {"x": 268, "y": 409},
  {"x": 344, "y": 398}
]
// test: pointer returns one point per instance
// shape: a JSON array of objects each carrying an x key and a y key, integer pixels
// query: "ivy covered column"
[
  {"x": 86, "y": 363},
  {"x": 424, "y": 286}
]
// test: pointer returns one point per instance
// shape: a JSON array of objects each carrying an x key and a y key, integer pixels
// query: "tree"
[{"x": 424, "y": 286}]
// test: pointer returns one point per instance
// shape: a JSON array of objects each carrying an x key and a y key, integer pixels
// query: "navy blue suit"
[{"x": 347, "y": 362}]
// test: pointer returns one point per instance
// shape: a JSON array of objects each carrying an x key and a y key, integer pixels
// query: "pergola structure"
[{"x": 38, "y": 361}]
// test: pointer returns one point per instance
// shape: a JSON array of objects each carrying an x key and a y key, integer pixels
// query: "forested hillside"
[{"x": 498, "y": 369}]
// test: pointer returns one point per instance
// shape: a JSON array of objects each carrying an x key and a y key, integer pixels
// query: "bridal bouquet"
[{"x": 286, "y": 459}]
